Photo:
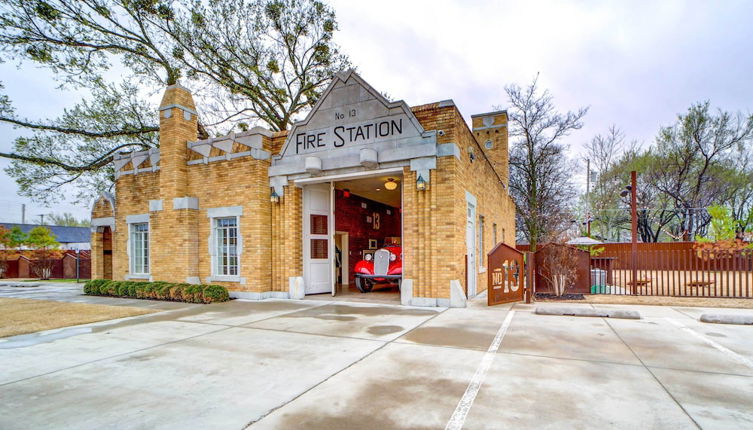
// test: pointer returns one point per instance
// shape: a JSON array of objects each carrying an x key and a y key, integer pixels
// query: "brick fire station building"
[{"x": 287, "y": 214}]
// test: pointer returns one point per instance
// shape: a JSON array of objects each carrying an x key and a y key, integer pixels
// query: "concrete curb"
[
  {"x": 585, "y": 312},
  {"x": 739, "y": 319}
]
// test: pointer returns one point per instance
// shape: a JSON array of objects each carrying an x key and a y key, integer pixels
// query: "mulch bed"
[{"x": 548, "y": 296}]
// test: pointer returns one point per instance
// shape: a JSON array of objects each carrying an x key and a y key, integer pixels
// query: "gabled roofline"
[
  {"x": 107, "y": 196},
  {"x": 344, "y": 77}
]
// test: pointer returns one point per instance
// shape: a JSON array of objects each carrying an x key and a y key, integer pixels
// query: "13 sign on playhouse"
[{"x": 506, "y": 277}]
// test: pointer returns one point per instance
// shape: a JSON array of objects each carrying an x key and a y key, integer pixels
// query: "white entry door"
[
  {"x": 317, "y": 233},
  {"x": 470, "y": 241}
]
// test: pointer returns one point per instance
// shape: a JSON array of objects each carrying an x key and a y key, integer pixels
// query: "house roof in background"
[{"x": 62, "y": 234}]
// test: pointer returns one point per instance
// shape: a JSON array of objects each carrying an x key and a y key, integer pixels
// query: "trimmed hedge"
[{"x": 157, "y": 291}]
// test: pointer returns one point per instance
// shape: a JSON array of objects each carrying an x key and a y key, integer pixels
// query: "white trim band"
[
  {"x": 225, "y": 211},
  {"x": 135, "y": 219},
  {"x": 185, "y": 203}
]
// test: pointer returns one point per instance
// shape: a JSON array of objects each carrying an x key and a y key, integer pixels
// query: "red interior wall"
[{"x": 351, "y": 217}]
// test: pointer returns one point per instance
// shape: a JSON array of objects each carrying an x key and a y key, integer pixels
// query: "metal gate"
[{"x": 506, "y": 273}]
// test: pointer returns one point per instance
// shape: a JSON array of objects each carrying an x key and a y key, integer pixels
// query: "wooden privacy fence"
[
  {"x": 582, "y": 261},
  {"x": 660, "y": 269},
  {"x": 63, "y": 268},
  {"x": 676, "y": 270}
]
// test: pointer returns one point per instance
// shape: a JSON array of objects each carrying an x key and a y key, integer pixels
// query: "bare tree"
[
  {"x": 603, "y": 152},
  {"x": 559, "y": 266},
  {"x": 540, "y": 172},
  {"x": 604, "y": 149},
  {"x": 693, "y": 159}
]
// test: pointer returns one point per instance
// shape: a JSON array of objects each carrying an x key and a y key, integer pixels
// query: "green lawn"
[{"x": 21, "y": 316}]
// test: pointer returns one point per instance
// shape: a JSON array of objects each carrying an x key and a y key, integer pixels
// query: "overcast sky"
[{"x": 636, "y": 64}]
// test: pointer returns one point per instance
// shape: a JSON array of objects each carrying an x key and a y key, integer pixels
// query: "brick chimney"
[
  {"x": 174, "y": 217},
  {"x": 177, "y": 125},
  {"x": 490, "y": 130}
]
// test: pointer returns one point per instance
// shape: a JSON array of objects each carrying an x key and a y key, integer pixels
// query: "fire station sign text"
[{"x": 354, "y": 133}]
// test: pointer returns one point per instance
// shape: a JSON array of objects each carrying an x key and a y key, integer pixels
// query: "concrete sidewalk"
[{"x": 324, "y": 364}]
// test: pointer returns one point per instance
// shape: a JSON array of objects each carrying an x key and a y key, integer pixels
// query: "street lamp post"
[
  {"x": 633, "y": 189},
  {"x": 634, "y": 222},
  {"x": 78, "y": 265}
]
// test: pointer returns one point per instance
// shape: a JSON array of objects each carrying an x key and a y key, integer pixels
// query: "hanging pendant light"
[{"x": 390, "y": 184}]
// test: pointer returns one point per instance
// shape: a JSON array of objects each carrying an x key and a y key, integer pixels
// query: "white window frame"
[
  {"x": 481, "y": 251},
  {"x": 223, "y": 250},
  {"x": 133, "y": 220},
  {"x": 215, "y": 214}
]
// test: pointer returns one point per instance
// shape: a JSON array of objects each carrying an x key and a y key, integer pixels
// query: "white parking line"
[
  {"x": 721, "y": 348},
  {"x": 464, "y": 405}
]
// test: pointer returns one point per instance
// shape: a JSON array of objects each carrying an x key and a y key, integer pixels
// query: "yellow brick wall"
[
  {"x": 173, "y": 241},
  {"x": 486, "y": 184},
  {"x": 132, "y": 195},
  {"x": 432, "y": 257},
  {"x": 436, "y": 219},
  {"x": 97, "y": 259},
  {"x": 287, "y": 238},
  {"x": 429, "y": 258},
  {"x": 179, "y": 239},
  {"x": 239, "y": 182},
  {"x": 102, "y": 208},
  {"x": 277, "y": 141}
]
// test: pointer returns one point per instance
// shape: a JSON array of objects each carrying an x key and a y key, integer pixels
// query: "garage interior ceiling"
[{"x": 367, "y": 188}]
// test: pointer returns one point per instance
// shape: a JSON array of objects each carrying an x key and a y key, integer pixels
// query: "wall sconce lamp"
[
  {"x": 421, "y": 184},
  {"x": 274, "y": 197}
]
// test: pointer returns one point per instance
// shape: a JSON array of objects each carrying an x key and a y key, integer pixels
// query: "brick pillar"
[
  {"x": 287, "y": 236},
  {"x": 490, "y": 129},
  {"x": 174, "y": 238},
  {"x": 433, "y": 232},
  {"x": 97, "y": 260},
  {"x": 421, "y": 259}
]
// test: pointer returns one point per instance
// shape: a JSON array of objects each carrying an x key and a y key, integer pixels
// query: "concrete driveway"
[{"x": 315, "y": 364}]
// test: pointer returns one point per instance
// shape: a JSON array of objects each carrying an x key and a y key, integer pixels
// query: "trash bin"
[{"x": 599, "y": 282}]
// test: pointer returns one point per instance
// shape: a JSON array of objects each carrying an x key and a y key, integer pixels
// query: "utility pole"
[
  {"x": 41, "y": 219},
  {"x": 634, "y": 222},
  {"x": 588, "y": 178},
  {"x": 23, "y": 213},
  {"x": 588, "y": 197}
]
